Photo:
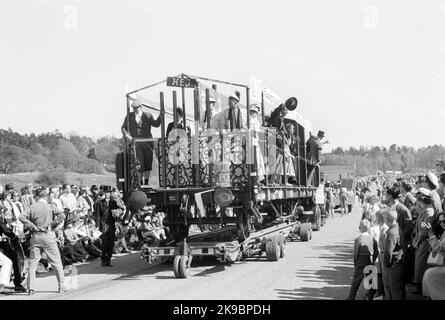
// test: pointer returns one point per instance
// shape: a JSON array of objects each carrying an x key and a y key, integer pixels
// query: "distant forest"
[
  {"x": 52, "y": 150},
  {"x": 400, "y": 158},
  {"x": 76, "y": 153}
]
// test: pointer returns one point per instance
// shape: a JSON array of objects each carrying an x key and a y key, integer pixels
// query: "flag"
[{"x": 202, "y": 198}]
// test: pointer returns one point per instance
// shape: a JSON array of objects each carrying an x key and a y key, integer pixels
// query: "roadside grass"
[{"x": 21, "y": 179}]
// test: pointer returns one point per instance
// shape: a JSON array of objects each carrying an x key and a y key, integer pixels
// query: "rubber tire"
[
  {"x": 272, "y": 250},
  {"x": 304, "y": 232},
  {"x": 316, "y": 225},
  {"x": 176, "y": 263},
  {"x": 282, "y": 245},
  {"x": 183, "y": 268},
  {"x": 349, "y": 208}
]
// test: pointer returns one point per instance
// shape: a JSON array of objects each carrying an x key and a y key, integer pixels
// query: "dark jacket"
[
  {"x": 276, "y": 120},
  {"x": 144, "y": 130},
  {"x": 365, "y": 245},
  {"x": 4, "y": 230},
  {"x": 393, "y": 250},
  {"x": 102, "y": 213},
  {"x": 405, "y": 222}
]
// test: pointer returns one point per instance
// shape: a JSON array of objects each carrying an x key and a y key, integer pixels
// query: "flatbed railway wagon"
[{"x": 208, "y": 188}]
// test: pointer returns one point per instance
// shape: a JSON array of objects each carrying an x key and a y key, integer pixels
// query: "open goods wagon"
[{"x": 208, "y": 188}]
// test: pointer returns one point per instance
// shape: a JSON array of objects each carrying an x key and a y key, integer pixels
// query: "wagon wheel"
[
  {"x": 184, "y": 267},
  {"x": 176, "y": 263},
  {"x": 273, "y": 251},
  {"x": 282, "y": 244},
  {"x": 305, "y": 232},
  {"x": 317, "y": 218}
]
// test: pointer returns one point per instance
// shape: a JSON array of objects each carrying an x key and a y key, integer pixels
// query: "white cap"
[
  {"x": 433, "y": 178},
  {"x": 235, "y": 96},
  {"x": 254, "y": 107},
  {"x": 424, "y": 192},
  {"x": 136, "y": 103}
]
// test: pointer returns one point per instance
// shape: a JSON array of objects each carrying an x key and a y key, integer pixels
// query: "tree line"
[
  {"x": 52, "y": 150},
  {"x": 77, "y": 153},
  {"x": 369, "y": 160}
]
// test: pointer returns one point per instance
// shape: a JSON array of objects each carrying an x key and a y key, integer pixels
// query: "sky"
[{"x": 367, "y": 72}]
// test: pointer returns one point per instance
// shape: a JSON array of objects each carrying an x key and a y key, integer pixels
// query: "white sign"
[
  {"x": 255, "y": 89},
  {"x": 271, "y": 97}
]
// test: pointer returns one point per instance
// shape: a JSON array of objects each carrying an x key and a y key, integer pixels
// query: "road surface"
[{"x": 319, "y": 269}]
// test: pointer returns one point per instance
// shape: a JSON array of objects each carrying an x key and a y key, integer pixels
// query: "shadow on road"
[{"x": 330, "y": 282}]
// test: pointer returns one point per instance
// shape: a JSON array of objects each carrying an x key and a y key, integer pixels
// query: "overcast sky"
[{"x": 365, "y": 72}]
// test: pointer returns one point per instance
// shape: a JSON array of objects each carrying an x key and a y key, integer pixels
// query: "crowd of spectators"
[
  {"x": 405, "y": 220},
  {"x": 77, "y": 221}
]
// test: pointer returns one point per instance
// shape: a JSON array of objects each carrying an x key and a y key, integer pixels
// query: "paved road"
[{"x": 319, "y": 269}]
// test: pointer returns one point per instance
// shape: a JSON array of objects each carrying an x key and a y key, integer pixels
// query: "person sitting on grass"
[
  {"x": 85, "y": 229},
  {"x": 120, "y": 244},
  {"x": 73, "y": 239}
]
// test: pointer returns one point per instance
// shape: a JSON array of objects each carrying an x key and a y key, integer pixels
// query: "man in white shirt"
[{"x": 68, "y": 200}]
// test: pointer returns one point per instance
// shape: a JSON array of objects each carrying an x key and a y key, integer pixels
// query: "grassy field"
[{"x": 21, "y": 179}]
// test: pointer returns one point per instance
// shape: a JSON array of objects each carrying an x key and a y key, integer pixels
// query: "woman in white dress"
[{"x": 255, "y": 127}]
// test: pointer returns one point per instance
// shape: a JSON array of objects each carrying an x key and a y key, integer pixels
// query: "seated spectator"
[
  {"x": 72, "y": 238},
  {"x": 152, "y": 229},
  {"x": 89, "y": 234},
  {"x": 120, "y": 244}
]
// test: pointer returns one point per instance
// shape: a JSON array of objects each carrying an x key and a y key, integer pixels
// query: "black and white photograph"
[{"x": 226, "y": 156}]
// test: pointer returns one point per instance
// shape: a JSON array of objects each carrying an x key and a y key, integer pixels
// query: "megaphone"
[{"x": 291, "y": 103}]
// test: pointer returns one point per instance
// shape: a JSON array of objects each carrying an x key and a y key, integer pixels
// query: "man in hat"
[
  {"x": 432, "y": 183},
  {"x": 314, "y": 146},
  {"x": 230, "y": 118},
  {"x": 138, "y": 125},
  {"x": 9, "y": 187},
  {"x": 40, "y": 221},
  {"x": 106, "y": 223}
]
